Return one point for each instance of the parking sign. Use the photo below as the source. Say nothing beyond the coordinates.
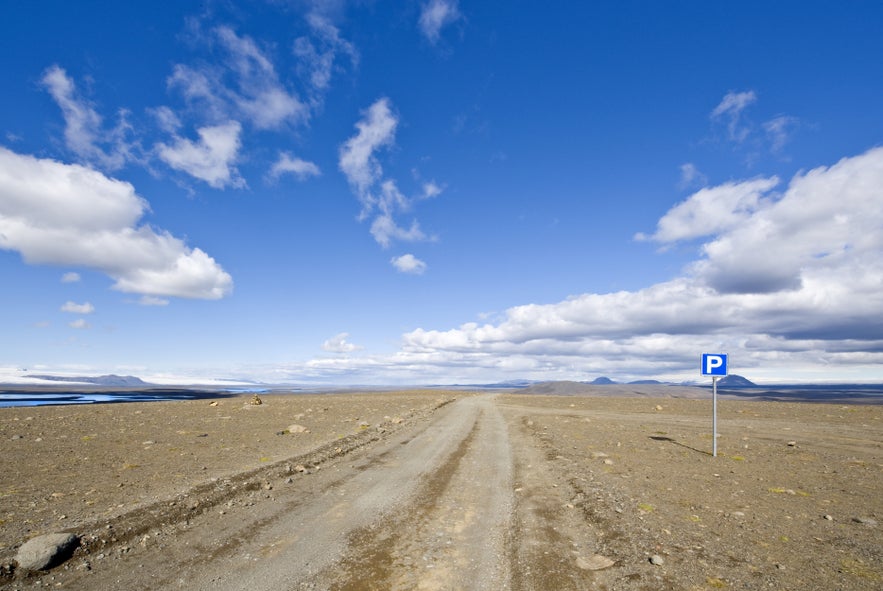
(713, 364)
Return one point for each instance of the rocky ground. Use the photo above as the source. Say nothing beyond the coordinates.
(442, 490)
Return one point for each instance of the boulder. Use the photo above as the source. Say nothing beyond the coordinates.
(46, 551)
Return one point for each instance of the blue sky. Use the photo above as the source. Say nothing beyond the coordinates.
(436, 191)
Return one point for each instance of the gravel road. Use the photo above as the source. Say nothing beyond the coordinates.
(430, 508)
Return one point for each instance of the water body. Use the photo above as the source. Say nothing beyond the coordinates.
(24, 397)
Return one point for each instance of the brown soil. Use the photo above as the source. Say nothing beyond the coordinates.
(793, 500)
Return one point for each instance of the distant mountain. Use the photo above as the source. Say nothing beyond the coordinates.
(736, 381)
(108, 380)
(602, 381)
(645, 382)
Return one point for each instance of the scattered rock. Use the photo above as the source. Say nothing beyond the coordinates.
(598, 454)
(792, 444)
(46, 551)
(658, 407)
(297, 429)
(17, 437)
(594, 562)
(828, 517)
(657, 560)
(865, 521)
(255, 400)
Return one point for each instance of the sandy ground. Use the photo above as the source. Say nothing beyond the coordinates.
(470, 492)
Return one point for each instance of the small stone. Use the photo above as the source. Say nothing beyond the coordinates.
(594, 562)
(828, 518)
(657, 560)
(17, 437)
(608, 461)
(865, 521)
(658, 407)
(297, 429)
(792, 444)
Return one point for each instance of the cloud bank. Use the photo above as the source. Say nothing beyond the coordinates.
(788, 282)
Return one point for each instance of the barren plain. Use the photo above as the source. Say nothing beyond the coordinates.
(447, 490)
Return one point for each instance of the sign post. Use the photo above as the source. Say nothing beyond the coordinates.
(714, 365)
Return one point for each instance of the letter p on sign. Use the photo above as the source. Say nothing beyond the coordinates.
(714, 364)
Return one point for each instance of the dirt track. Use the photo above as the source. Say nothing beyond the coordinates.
(508, 492)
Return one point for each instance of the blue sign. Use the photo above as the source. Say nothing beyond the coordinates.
(713, 364)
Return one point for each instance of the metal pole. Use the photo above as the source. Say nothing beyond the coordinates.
(714, 417)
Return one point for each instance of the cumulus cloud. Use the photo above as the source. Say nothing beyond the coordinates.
(296, 166)
(339, 344)
(408, 263)
(211, 159)
(435, 15)
(712, 210)
(70, 277)
(791, 281)
(84, 132)
(74, 308)
(67, 214)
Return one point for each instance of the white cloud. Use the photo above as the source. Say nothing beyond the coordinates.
(79, 324)
(785, 285)
(318, 56)
(357, 161)
(778, 131)
(431, 190)
(339, 344)
(712, 210)
(153, 301)
(730, 109)
(70, 277)
(67, 214)
(289, 164)
(84, 134)
(385, 230)
(379, 197)
(435, 15)
(245, 85)
(408, 263)
(74, 308)
(691, 177)
(211, 159)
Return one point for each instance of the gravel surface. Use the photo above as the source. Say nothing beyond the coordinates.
(442, 490)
